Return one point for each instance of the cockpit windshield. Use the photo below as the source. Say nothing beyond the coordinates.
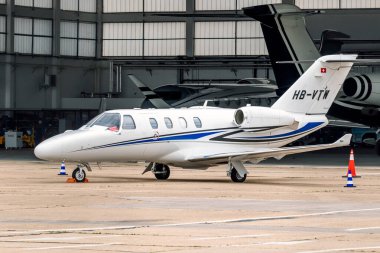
(109, 120)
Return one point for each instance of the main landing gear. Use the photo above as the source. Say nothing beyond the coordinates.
(237, 171)
(160, 171)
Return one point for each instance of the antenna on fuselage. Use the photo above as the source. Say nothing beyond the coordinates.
(205, 103)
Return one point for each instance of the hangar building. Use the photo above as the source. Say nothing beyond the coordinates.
(61, 59)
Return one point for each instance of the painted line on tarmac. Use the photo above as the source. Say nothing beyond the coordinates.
(341, 249)
(269, 217)
(359, 229)
(232, 237)
(64, 230)
(265, 218)
(60, 238)
(370, 173)
(76, 246)
(271, 243)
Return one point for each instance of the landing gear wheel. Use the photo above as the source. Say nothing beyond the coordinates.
(79, 175)
(162, 172)
(236, 177)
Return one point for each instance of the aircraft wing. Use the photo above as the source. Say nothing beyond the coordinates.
(345, 123)
(255, 87)
(278, 153)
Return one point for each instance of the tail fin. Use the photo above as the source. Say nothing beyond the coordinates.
(150, 95)
(316, 89)
(287, 39)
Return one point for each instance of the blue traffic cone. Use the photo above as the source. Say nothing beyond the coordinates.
(350, 183)
(62, 172)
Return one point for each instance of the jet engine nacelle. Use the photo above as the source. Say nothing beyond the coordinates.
(249, 118)
(365, 88)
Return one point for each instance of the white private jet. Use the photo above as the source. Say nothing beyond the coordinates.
(200, 137)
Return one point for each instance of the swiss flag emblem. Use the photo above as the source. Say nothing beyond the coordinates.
(323, 70)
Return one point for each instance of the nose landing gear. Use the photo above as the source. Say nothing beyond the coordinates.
(79, 174)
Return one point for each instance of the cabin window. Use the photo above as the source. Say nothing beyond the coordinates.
(182, 122)
(128, 122)
(153, 123)
(110, 120)
(168, 122)
(197, 122)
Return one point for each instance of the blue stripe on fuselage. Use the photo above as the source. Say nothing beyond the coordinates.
(198, 135)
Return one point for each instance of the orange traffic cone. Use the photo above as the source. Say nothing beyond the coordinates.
(351, 165)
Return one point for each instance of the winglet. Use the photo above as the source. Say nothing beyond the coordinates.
(343, 141)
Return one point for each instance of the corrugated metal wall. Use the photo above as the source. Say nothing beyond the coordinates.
(246, 3)
(79, 5)
(37, 3)
(215, 38)
(335, 4)
(33, 36)
(360, 3)
(112, 6)
(122, 39)
(250, 39)
(164, 5)
(69, 37)
(87, 5)
(202, 5)
(316, 4)
(159, 39)
(78, 44)
(22, 43)
(42, 36)
(87, 39)
(3, 30)
(24, 2)
(229, 38)
(164, 39)
(69, 5)
(215, 5)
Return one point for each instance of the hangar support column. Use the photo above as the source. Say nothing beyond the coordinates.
(190, 8)
(55, 88)
(98, 53)
(9, 78)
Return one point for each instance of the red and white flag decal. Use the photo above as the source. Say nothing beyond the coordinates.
(323, 70)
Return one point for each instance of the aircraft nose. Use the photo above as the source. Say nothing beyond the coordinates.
(48, 150)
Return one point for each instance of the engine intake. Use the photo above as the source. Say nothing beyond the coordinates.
(365, 88)
(260, 117)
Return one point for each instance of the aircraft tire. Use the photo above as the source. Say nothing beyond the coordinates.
(162, 172)
(235, 177)
(78, 176)
(377, 147)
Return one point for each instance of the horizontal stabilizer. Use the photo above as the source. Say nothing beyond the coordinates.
(150, 95)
